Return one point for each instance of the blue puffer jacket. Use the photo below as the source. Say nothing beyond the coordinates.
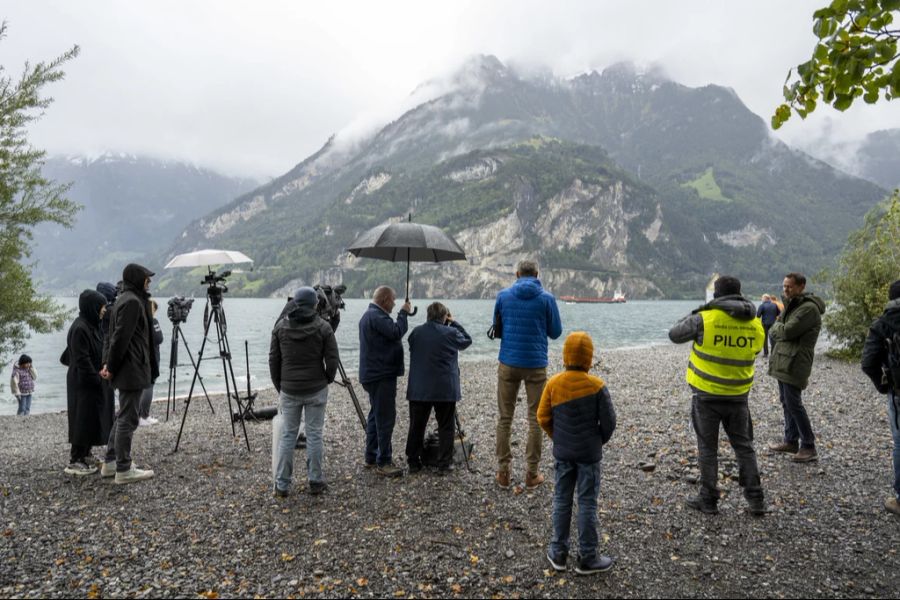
(529, 316)
(380, 346)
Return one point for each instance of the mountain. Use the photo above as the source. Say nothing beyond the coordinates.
(619, 179)
(878, 158)
(133, 206)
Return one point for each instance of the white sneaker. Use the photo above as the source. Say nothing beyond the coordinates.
(133, 474)
(142, 422)
(152, 420)
(108, 469)
(80, 469)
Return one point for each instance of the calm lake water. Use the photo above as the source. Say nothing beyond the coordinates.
(634, 324)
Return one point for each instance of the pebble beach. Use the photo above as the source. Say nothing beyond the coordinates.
(208, 525)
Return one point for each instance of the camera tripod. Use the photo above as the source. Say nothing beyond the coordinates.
(214, 313)
(345, 383)
(173, 368)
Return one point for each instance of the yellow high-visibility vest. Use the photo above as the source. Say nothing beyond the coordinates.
(724, 363)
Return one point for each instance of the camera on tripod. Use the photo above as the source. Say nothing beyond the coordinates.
(330, 303)
(178, 310)
(217, 287)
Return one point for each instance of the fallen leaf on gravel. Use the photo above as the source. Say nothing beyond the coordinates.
(287, 557)
(509, 579)
(562, 582)
(399, 593)
(362, 582)
(94, 591)
(605, 538)
(211, 594)
(456, 588)
(473, 559)
(319, 542)
(674, 557)
(371, 527)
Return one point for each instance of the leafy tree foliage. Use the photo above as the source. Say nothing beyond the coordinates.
(869, 264)
(856, 55)
(26, 199)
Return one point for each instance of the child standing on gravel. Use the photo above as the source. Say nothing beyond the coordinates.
(22, 383)
(577, 413)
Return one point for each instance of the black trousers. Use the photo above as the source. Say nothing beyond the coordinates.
(419, 412)
(79, 453)
(734, 417)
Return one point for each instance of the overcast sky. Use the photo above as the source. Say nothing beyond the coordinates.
(252, 88)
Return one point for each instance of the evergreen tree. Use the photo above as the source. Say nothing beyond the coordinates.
(26, 199)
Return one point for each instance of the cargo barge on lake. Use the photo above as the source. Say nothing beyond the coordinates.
(619, 298)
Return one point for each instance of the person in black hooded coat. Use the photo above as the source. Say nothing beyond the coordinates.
(108, 410)
(84, 394)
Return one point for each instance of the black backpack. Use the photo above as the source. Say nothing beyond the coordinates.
(893, 359)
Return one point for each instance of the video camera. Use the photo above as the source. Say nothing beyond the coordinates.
(330, 303)
(178, 310)
(216, 285)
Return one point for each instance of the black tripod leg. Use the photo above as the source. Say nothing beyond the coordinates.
(202, 386)
(228, 368)
(173, 365)
(187, 403)
(345, 382)
(462, 439)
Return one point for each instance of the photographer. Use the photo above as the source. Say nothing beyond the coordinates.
(434, 383)
(303, 360)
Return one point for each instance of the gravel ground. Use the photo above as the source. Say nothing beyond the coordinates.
(208, 524)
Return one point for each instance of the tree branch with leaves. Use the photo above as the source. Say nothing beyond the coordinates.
(855, 56)
(27, 199)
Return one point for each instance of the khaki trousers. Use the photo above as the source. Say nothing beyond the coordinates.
(508, 382)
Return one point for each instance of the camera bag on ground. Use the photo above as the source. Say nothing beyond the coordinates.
(432, 449)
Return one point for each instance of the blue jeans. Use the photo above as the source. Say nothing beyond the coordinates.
(380, 424)
(894, 419)
(585, 478)
(24, 404)
(292, 409)
(796, 421)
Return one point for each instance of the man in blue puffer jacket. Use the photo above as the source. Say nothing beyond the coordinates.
(525, 315)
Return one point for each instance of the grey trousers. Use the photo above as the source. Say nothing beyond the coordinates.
(146, 402)
(706, 416)
(119, 447)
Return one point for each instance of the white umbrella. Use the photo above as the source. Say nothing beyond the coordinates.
(204, 258)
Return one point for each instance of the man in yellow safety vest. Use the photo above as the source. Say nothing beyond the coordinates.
(727, 337)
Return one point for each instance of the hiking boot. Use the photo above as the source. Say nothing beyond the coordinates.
(80, 469)
(557, 561)
(805, 455)
(279, 493)
(892, 505)
(389, 470)
(108, 469)
(317, 488)
(502, 480)
(756, 507)
(415, 467)
(532, 481)
(368, 465)
(707, 507)
(132, 475)
(597, 564)
(785, 447)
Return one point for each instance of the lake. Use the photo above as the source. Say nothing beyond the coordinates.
(633, 324)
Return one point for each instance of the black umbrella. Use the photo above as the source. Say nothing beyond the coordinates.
(412, 242)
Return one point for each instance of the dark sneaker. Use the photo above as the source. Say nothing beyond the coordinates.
(756, 507)
(445, 470)
(707, 507)
(533, 481)
(502, 479)
(369, 465)
(892, 506)
(389, 470)
(785, 447)
(415, 467)
(279, 493)
(301, 442)
(557, 561)
(805, 455)
(317, 488)
(597, 564)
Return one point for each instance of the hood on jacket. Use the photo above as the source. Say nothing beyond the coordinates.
(305, 301)
(526, 288)
(892, 305)
(578, 351)
(108, 290)
(133, 276)
(737, 306)
(809, 297)
(89, 304)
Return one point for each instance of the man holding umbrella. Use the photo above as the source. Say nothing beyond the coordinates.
(380, 363)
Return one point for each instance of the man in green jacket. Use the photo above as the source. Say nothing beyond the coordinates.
(795, 334)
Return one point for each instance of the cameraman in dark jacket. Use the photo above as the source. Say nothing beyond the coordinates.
(434, 383)
(130, 364)
(303, 360)
(380, 363)
(874, 364)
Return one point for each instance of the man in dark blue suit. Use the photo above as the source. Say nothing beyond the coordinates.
(434, 384)
(380, 363)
